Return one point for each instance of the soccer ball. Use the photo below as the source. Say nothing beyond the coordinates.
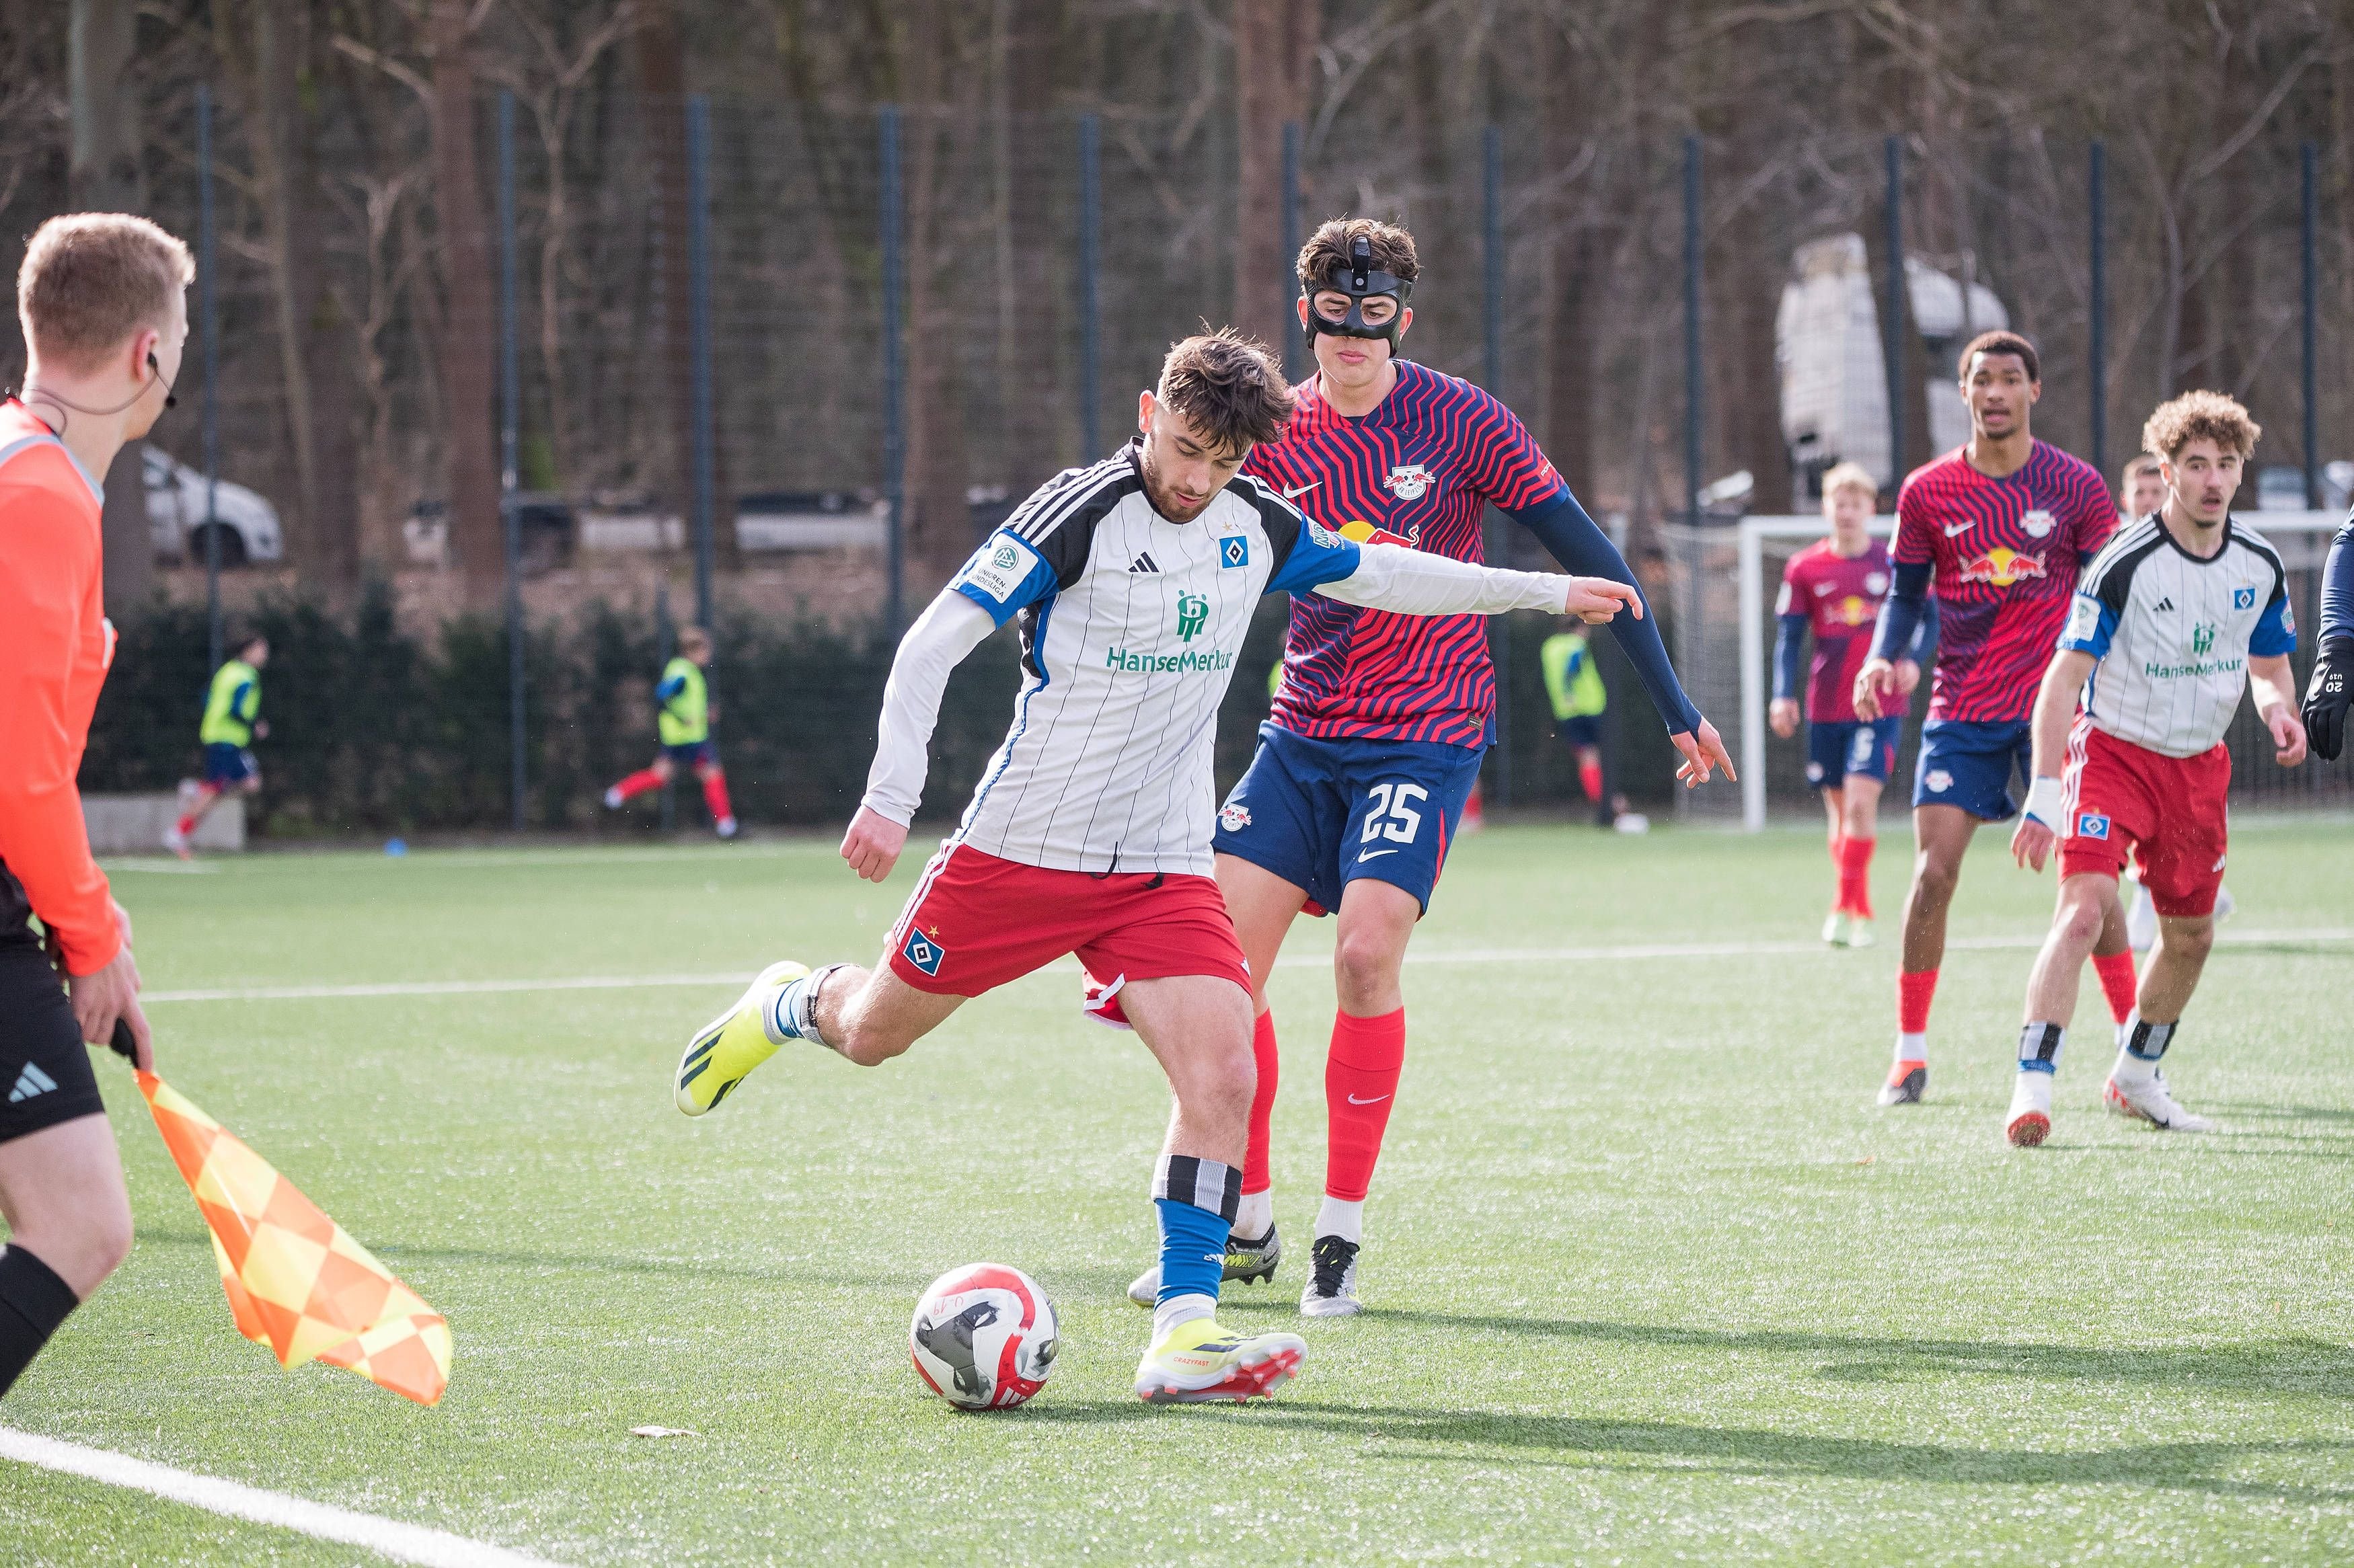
(983, 1336)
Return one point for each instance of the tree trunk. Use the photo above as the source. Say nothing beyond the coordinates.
(470, 323)
(662, 79)
(103, 176)
(939, 531)
(316, 346)
(1745, 269)
(1912, 355)
(1036, 153)
(1275, 43)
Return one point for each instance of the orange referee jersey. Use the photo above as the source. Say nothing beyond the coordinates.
(55, 647)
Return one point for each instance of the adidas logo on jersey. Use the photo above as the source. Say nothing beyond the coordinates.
(2165, 604)
(32, 1081)
(1143, 563)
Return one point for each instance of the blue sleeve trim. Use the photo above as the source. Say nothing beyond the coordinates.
(1318, 556)
(672, 686)
(1564, 528)
(2272, 638)
(2078, 637)
(1006, 574)
(1788, 630)
(1900, 616)
(246, 703)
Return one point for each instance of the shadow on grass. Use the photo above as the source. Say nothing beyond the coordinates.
(2296, 1364)
(1473, 1436)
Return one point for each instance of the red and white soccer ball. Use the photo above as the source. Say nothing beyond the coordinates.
(983, 1336)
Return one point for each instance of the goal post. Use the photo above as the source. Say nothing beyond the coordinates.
(1762, 545)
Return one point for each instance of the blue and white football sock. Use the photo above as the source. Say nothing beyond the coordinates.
(1196, 1200)
(791, 1012)
(2145, 1044)
(2038, 1047)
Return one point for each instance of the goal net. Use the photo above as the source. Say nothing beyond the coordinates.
(1725, 581)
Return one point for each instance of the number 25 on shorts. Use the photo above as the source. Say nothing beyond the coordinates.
(1393, 815)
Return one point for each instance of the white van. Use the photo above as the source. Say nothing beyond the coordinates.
(1834, 371)
(176, 516)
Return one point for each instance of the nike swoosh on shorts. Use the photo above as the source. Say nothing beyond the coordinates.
(1373, 854)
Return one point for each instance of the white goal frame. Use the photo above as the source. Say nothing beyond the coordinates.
(2315, 527)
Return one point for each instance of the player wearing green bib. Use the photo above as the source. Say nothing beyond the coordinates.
(1574, 684)
(232, 723)
(682, 723)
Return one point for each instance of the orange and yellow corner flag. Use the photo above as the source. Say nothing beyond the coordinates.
(296, 1281)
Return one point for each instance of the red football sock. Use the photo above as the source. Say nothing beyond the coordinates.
(1589, 778)
(2117, 982)
(1855, 874)
(1913, 990)
(638, 783)
(203, 797)
(1360, 1080)
(715, 795)
(1254, 1176)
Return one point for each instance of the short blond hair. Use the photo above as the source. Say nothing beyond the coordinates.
(1849, 476)
(693, 638)
(2201, 416)
(90, 280)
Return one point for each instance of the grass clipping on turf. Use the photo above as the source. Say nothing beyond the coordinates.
(296, 1280)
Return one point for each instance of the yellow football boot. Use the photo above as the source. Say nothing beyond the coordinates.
(727, 1049)
(1200, 1362)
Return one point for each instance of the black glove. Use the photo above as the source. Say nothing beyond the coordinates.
(2327, 695)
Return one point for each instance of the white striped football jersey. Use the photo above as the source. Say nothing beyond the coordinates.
(2174, 632)
(1131, 626)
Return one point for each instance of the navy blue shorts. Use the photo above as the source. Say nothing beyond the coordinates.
(227, 764)
(1322, 813)
(693, 755)
(1851, 746)
(1968, 765)
(1581, 730)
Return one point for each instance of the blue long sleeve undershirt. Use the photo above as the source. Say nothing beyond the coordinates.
(2338, 586)
(1563, 527)
(1789, 633)
(1908, 618)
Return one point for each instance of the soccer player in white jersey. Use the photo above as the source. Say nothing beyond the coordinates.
(1133, 582)
(2179, 614)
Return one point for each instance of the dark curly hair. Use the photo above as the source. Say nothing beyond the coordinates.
(1227, 387)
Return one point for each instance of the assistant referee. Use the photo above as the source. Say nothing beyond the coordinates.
(101, 297)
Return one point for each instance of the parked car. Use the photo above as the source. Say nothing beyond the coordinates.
(550, 533)
(178, 519)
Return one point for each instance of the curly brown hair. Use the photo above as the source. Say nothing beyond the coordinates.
(1327, 250)
(1228, 386)
(2000, 341)
(2201, 416)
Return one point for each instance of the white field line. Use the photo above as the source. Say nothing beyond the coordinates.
(321, 1521)
(1631, 952)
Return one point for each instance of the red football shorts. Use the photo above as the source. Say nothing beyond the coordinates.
(975, 922)
(2168, 812)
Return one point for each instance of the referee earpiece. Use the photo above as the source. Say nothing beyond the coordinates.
(170, 399)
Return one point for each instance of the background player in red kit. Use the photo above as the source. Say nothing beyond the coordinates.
(1379, 723)
(1835, 588)
(2003, 525)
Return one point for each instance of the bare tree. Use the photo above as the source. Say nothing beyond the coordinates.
(1274, 46)
(104, 175)
(469, 326)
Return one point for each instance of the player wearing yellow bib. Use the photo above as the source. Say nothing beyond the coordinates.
(682, 723)
(1574, 685)
(232, 723)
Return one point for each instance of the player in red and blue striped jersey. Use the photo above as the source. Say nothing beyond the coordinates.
(2003, 525)
(1379, 723)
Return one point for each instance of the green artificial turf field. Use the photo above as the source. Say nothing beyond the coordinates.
(1650, 1278)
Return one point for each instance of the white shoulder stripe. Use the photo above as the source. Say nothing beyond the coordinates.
(1060, 503)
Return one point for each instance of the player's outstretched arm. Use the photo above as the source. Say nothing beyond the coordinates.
(1416, 582)
(950, 626)
(1576, 541)
(2329, 695)
(2055, 710)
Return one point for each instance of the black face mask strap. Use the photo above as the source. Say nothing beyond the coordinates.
(1360, 279)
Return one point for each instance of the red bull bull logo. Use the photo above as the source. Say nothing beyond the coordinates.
(2002, 566)
(1357, 531)
(1853, 611)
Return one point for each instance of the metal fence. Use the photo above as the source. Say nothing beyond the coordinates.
(713, 301)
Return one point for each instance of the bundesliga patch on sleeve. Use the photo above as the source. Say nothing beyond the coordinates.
(2083, 620)
(999, 566)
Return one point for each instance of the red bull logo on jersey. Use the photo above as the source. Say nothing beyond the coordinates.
(1409, 482)
(1357, 531)
(1852, 610)
(2002, 566)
